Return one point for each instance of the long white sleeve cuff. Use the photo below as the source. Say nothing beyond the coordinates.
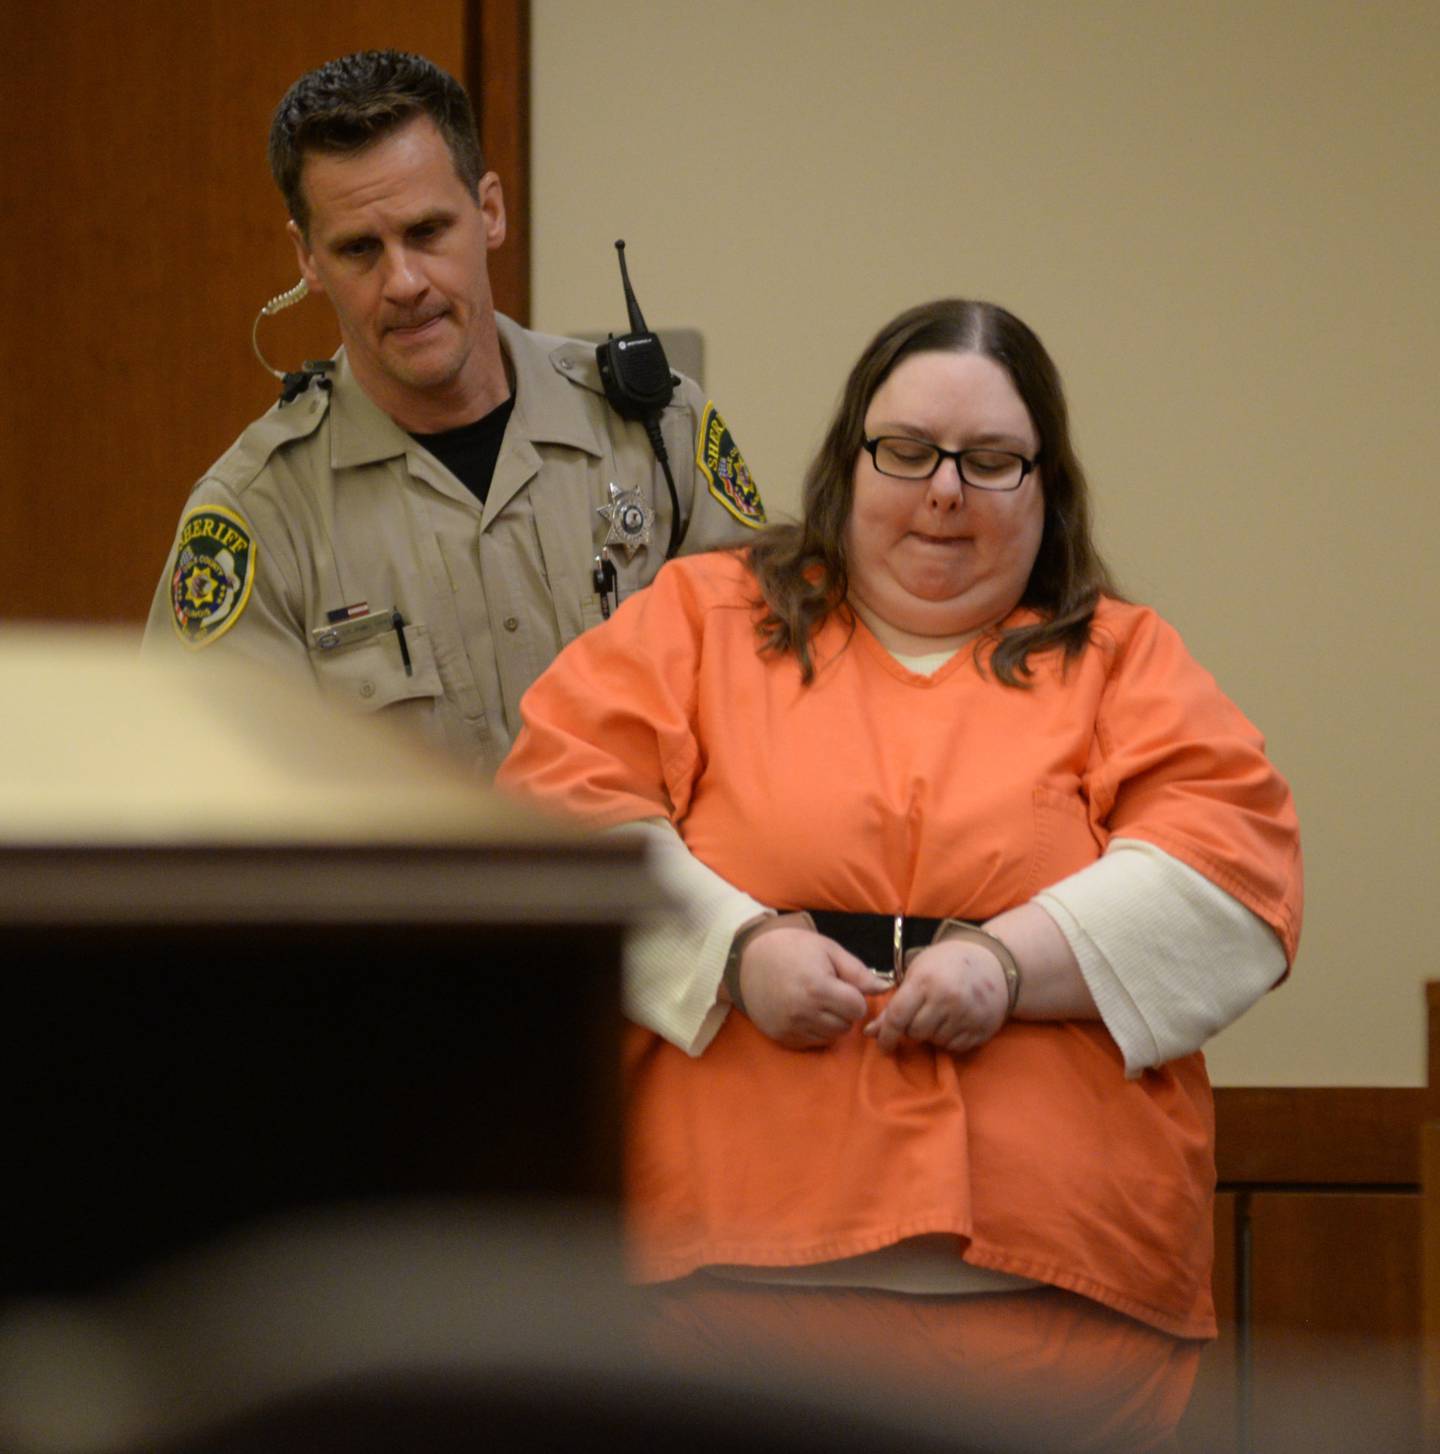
(673, 964)
(1169, 958)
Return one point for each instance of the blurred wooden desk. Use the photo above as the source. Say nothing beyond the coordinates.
(195, 1037)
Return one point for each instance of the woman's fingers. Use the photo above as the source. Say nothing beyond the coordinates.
(803, 989)
(948, 999)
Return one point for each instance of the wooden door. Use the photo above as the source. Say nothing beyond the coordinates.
(142, 234)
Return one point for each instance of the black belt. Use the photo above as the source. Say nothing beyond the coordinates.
(880, 940)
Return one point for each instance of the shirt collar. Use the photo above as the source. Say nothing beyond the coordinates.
(549, 407)
(547, 370)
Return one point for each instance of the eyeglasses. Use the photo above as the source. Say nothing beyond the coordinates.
(982, 469)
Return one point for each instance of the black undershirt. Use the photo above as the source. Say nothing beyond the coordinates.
(470, 451)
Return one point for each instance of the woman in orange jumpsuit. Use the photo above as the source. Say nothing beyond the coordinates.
(919, 733)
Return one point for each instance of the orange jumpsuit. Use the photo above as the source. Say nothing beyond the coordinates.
(877, 789)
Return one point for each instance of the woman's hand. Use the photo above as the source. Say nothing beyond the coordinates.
(953, 996)
(802, 989)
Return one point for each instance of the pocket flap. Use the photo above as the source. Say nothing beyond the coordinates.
(371, 674)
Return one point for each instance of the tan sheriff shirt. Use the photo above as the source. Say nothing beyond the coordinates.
(325, 519)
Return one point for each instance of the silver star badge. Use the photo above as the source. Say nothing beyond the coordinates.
(630, 519)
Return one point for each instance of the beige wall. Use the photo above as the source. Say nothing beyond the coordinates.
(1222, 218)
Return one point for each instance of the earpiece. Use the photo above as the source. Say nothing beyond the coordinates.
(277, 304)
(292, 384)
(283, 300)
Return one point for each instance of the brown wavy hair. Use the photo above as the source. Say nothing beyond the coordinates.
(802, 569)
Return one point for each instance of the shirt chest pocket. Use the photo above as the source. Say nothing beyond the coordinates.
(1064, 841)
(570, 541)
(366, 676)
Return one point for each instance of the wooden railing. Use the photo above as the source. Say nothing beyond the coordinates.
(1327, 1270)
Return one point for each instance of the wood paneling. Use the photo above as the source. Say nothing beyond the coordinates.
(1430, 1279)
(1319, 1299)
(1212, 1422)
(1335, 1321)
(1327, 1135)
(1327, 1271)
(498, 76)
(1338, 1264)
(144, 232)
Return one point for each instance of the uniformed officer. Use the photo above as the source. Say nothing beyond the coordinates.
(418, 530)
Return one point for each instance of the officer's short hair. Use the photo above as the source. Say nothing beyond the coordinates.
(349, 104)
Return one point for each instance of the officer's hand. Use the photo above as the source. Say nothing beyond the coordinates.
(953, 996)
(802, 989)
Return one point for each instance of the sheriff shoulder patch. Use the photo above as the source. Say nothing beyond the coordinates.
(213, 572)
(721, 462)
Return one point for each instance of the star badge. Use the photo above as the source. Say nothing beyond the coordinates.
(202, 586)
(630, 519)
